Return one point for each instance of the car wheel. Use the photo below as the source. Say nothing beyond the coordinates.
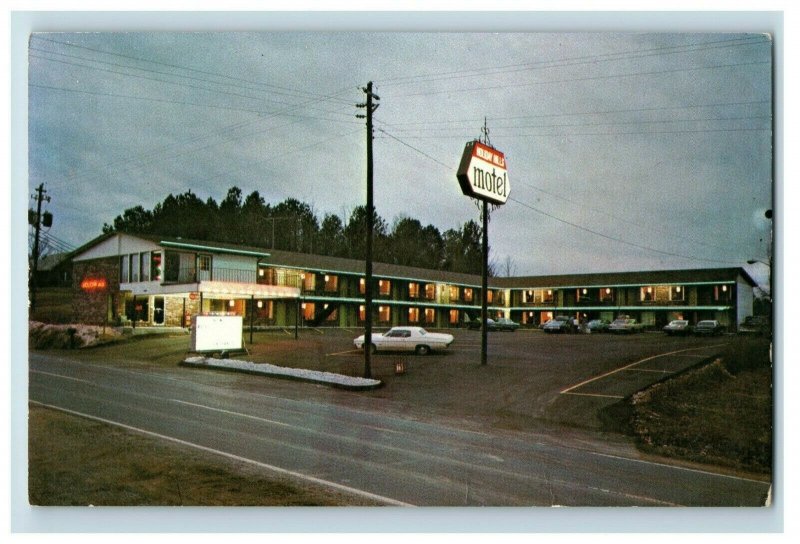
(423, 350)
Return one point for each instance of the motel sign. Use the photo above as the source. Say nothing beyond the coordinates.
(482, 173)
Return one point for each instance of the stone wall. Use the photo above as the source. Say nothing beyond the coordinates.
(173, 311)
(93, 304)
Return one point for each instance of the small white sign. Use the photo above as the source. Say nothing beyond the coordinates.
(216, 333)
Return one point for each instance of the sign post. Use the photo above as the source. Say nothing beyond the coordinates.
(482, 175)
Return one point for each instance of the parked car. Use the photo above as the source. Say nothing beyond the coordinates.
(504, 324)
(598, 325)
(709, 327)
(625, 324)
(559, 323)
(414, 339)
(677, 327)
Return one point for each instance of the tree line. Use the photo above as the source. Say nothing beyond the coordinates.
(293, 225)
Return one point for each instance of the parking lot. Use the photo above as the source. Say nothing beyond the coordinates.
(531, 379)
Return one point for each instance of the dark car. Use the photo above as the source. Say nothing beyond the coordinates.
(598, 325)
(561, 323)
(709, 327)
(755, 324)
(503, 324)
(677, 327)
(475, 324)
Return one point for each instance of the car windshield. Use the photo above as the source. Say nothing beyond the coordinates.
(423, 332)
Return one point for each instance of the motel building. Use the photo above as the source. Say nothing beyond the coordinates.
(156, 281)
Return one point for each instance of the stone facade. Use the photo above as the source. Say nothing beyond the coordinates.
(95, 284)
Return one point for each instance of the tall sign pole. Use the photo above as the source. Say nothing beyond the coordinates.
(482, 174)
(370, 106)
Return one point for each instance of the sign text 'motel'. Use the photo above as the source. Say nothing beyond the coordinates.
(482, 173)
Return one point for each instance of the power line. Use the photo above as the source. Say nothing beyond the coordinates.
(580, 227)
(176, 83)
(584, 113)
(185, 103)
(571, 61)
(588, 78)
(294, 92)
(620, 240)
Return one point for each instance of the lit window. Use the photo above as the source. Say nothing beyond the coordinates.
(430, 291)
(606, 295)
(385, 287)
(467, 294)
(430, 316)
(454, 317)
(384, 314)
(308, 310)
(413, 290)
(413, 315)
(453, 292)
(362, 286)
(331, 283)
(362, 313)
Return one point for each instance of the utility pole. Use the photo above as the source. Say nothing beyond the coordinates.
(37, 221)
(485, 266)
(370, 109)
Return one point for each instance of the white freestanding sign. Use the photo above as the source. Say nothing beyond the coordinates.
(216, 333)
(482, 173)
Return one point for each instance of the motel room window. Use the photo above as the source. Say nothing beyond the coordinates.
(722, 293)
(468, 294)
(334, 315)
(647, 294)
(430, 291)
(265, 309)
(204, 263)
(430, 316)
(413, 291)
(134, 267)
(155, 266)
(331, 283)
(362, 286)
(454, 314)
(309, 281)
(489, 296)
(606, 294)
(144, 264)
(308, 309)
(384, 314)
(362, 313)
(384, 287)
(454, 292)
(582, 295)
(123, 273)
(677, 293)
(413, 315)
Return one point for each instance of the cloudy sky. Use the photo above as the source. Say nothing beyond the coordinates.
(626, 151)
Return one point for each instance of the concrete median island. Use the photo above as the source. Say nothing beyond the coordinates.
(273, 371)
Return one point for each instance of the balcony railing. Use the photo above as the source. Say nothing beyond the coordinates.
(193, 275)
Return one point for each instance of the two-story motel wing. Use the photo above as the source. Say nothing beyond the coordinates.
(163, 281)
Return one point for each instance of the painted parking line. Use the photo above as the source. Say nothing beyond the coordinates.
(348, 352)
(631, 365)
(593, 395)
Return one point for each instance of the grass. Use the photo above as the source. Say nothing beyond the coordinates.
(719, 413)
(79, 462)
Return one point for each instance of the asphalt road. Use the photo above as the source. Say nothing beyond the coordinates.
(394, 459)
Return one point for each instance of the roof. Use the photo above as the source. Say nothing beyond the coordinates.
(325, 263)
(603, 279)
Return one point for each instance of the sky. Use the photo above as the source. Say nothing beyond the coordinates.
(625, 151)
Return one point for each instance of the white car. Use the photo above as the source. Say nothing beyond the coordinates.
(414, 339)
